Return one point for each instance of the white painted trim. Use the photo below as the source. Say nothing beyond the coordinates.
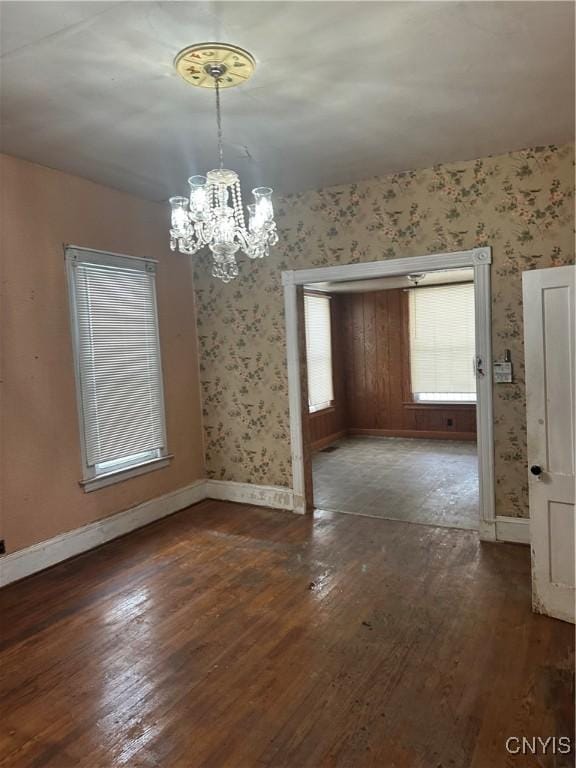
(515, 529)
(82, 250)
(388, 267)
(294, 397)
(478, 258)
(43, 555)
(247, 493)
(101, 481)
(484, 404)
(47, 553)
(74, 255)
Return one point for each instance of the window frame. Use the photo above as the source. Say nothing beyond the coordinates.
(439, 403)
(113, 471)
(329, 405)
(413, 401)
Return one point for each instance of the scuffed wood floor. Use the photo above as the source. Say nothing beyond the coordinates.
(234, 636)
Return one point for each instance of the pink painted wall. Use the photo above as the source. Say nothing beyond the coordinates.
(40, 464)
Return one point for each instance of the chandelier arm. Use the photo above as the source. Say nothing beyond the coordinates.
(219, 123)
(243, 238)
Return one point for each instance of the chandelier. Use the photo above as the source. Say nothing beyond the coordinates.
(213, 215)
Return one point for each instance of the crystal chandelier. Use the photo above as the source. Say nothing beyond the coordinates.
(213, 215)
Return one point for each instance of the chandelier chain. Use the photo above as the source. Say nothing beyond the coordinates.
(219, 124)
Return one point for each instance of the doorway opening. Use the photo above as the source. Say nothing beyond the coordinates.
(439, 433)
(392, 397)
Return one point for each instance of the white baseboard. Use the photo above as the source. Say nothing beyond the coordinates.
(487, 530)
(246, 493)
(514, 529)
(39, 556)
(47, 553)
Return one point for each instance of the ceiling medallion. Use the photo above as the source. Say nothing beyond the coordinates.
(213, 215)
(192, 64)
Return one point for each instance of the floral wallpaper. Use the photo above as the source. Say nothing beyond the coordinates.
(521, 204)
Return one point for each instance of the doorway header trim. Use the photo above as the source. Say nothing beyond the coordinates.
(389, 267)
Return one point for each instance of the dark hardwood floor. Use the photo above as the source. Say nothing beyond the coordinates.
(229, 635)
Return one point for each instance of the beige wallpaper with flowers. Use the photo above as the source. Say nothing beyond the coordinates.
(521, 204)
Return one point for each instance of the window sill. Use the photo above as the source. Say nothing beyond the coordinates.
(325, 409)
(412, 405)
(119, 475)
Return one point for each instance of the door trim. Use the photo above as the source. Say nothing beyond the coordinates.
(480, 260)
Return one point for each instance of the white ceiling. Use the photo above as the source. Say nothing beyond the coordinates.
(342, 91)
(440, 277)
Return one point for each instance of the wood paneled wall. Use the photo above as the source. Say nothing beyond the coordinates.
(374, 365)
(372, 393)
(377, 373)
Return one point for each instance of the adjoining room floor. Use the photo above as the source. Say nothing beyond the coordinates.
(419, 481)
(228, 635)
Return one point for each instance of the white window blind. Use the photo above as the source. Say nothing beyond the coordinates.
(117, 350)
(318, 351)
(442, 343)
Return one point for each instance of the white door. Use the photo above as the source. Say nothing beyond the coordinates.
(549, 345)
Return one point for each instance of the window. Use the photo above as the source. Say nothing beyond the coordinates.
(118, 366)
(442, 343)
(318, 351)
